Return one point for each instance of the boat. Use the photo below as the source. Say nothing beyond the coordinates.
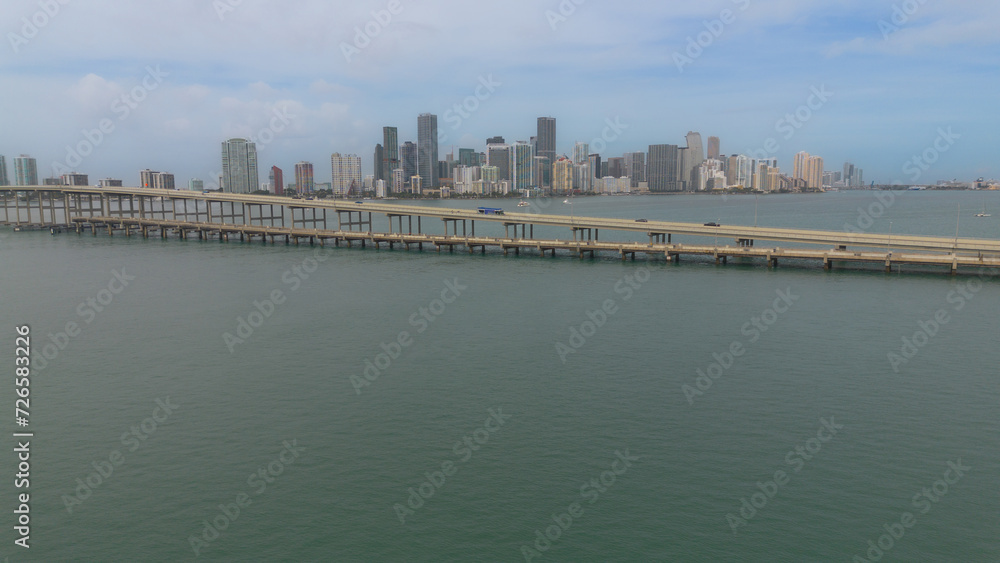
(523, 203)
(984, 213)
(565, 201)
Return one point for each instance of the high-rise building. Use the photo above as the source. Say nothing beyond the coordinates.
(163, 181)
(635, 167)
(25, 171)
(427, 150)
(580, 153)
(562, 175)
(814, 172)
(713, 148)
(146, 178)
(852, 177)
(74, 179)
(111, 183)
(194, 185)
(498, 140)
(546, 138)
(239, 166)
(305, 181)
(4, 178)
(524, 167)
(409, 161)
(398, 183)
(732, 170)
(693, 158)
(583, 178)
(501, 156)
(379, 162)
(799, 165)
(346, 173)
(663, 169)
(543, 172)
(390, 152)
(277, 179)
(594, 161)
(468, 157)
(616, 167)
(744, 171)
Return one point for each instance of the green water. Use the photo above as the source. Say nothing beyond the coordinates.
(359, 446)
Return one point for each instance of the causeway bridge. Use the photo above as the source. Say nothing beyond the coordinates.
(145, 212)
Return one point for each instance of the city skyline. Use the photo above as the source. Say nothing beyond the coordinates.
(848, 82)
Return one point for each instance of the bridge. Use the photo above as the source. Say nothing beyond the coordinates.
(184, 213)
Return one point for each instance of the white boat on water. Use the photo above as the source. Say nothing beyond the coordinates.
(523, 203)
(984, 213)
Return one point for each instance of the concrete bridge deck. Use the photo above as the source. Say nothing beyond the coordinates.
(225, 215)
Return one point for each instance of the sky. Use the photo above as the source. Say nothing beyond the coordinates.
(906, 90)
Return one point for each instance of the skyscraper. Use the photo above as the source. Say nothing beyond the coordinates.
(163, 181)
(409, 161)
(25, 171)
(147, 178)
(524, 165)
(380, 163)
(346, 173)
(635, 167)
(239, 167)
(390, 153)
(427, 150)
(799, 166)
(543, 172)
(277, 178)
(500, 155)
(304, 180)
(498, 140)
(4, 179)
(580, 153)
(468, 157)
(663, 170)
(546, 138)
(562, 175)
(713, 148)
(616, 167)
(814, 172)
(694, 156)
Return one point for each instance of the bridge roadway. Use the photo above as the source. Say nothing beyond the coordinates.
(205, 230)
(838, 239)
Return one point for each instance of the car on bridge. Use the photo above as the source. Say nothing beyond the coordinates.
(712, 224)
